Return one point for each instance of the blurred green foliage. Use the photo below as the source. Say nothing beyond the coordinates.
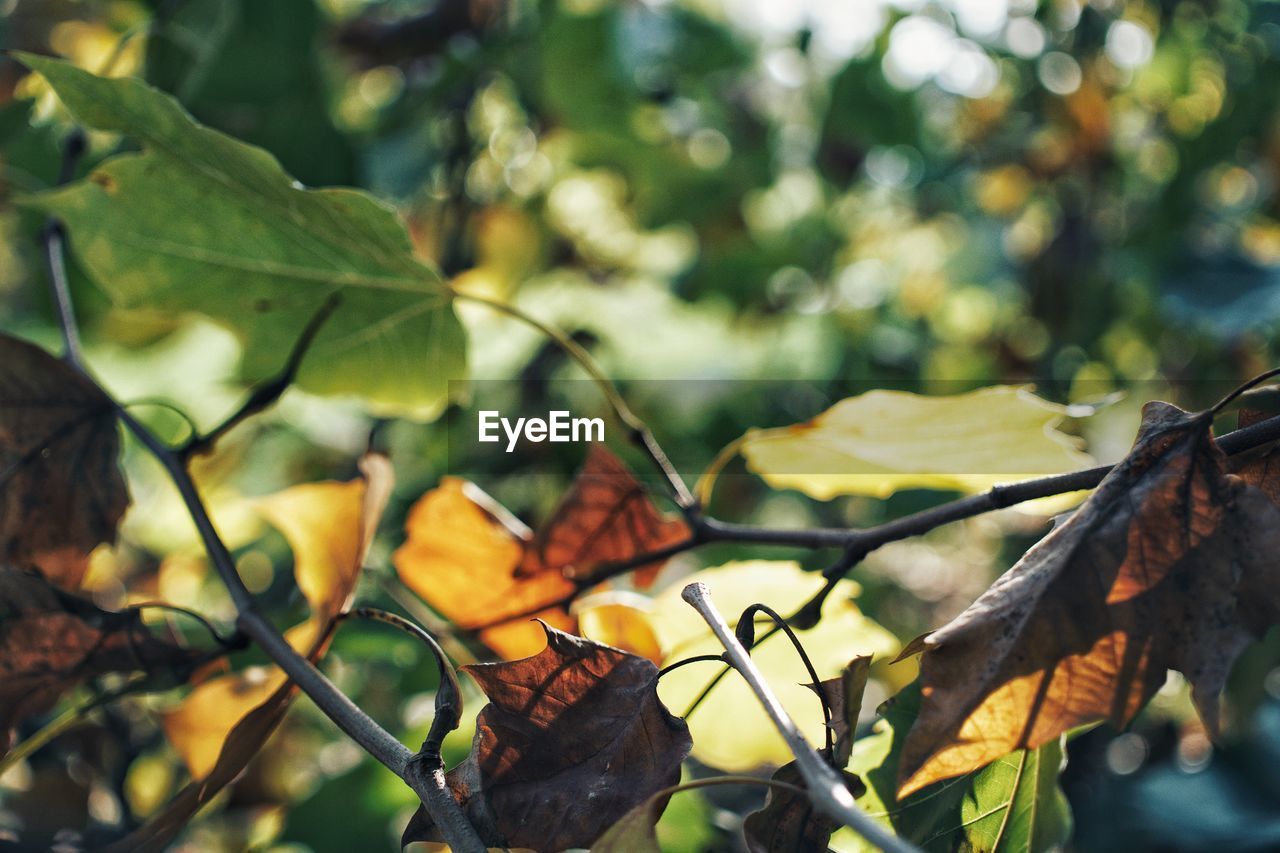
(821, 196)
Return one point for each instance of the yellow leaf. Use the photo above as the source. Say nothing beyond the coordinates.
(621, 625)
(882, 441)
(730, 730)
(329, 527)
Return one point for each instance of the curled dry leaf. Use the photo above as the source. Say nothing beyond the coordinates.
(788, 823)
(51, 641)
(606, 517)
(226, 720)
(61, 490)
(1170, 564)
(470, 559)
(572, 739)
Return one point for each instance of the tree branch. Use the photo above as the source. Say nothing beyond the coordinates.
(426, 781)
(826, 789)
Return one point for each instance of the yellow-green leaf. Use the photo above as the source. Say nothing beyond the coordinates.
(883, 441)
(729, 729)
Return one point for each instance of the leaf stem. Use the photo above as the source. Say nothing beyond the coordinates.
(448, 702)
(826, 790)
(268, 392)
(672, 667)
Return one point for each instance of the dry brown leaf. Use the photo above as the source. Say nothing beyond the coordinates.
(1170, 564)
(225, 721)
(51, 641)
(61, 490)
(1259, 467)
(606, 517)
(461, 559)
(571, 740)
(788, 823)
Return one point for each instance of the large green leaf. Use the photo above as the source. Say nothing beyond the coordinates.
(1013, 804)
(202, 222)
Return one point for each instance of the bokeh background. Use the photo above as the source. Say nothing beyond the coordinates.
(787, 202)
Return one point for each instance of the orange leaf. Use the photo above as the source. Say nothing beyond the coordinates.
(461, 559)
(1170, 564)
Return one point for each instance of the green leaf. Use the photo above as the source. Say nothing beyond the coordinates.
(1013, 804)
(204, 223)
(1016, 804)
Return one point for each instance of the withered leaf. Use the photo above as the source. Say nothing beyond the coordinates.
(1170, 564)
(61, 490)
(606, 517)
(52, 640)
(788, 823)
(572, 739)
(1260, 467)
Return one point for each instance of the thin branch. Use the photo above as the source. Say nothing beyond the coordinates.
(54, 241)
(427, 782)
(826, 790)
(268, 392)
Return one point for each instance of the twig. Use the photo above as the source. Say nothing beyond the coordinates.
(428, 785)
(268, 392)
(672, 667)
(826, 789)
(448, 704)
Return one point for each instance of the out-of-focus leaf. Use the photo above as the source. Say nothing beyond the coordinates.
(202, 207)
(226, 720)
(620, 625)
(61, 490)
(883, 441)
(1168, 565)
(462, 560)
(51, 641)
(575, 735)
(730, 730)
(1014, 804)
(788, 823)
(606, 517)
(250, 69)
